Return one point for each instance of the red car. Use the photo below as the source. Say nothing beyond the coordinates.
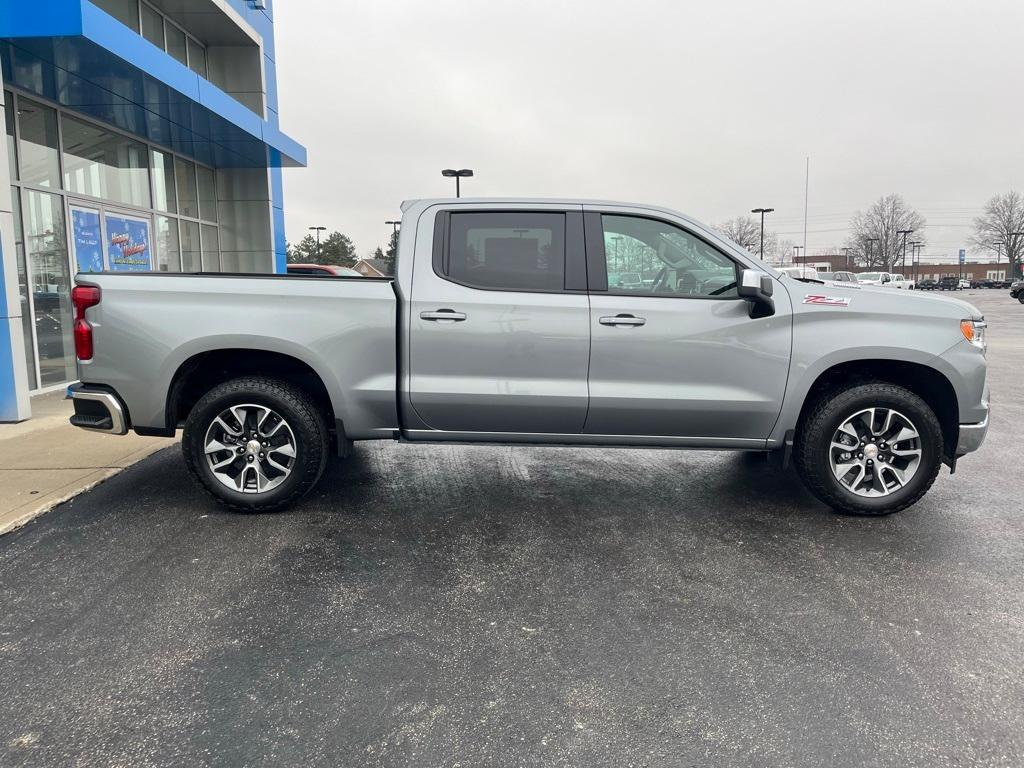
(322, 270)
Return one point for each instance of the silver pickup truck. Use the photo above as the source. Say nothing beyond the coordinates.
(554, 322)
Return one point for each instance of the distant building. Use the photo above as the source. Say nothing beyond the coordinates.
(372, 268)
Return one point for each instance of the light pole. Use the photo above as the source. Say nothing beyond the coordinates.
(762, 211)
(796, 252)
(904, 232)
(846, 253)
(915, 259)
(617, 239)
(451, 173)
(318, 230)
(394, 225)
(999, 250)
(870, 249)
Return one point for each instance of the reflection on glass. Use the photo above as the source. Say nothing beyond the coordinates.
(211, 249)
(46, 246)
(168, 251)
(188, 202)
(12, 151)
(26, 308)
(38, 147)
(176, 44)
(125, 11)
(163, 182)
(104, 164)
(191, 256)
(207, 193)
(152, 26)
(196, 57)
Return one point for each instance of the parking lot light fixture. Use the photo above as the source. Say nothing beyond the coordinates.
(318, 230)
(762, 211)
(904, 232)
(458, 175)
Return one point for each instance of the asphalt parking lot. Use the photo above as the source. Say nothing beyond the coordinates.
(527, 606)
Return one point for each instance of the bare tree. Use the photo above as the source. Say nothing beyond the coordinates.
(1002, 222)
(875, 239)
(744, 231)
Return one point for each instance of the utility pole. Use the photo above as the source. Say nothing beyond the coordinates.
(1011, 253)
(915, 259)
(807, 187)
(318, 230)
(762, 211)
(904, 232)
(870, 249)
(796, 252)
(846, 253)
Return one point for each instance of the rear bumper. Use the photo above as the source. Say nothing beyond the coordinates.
(98, 410)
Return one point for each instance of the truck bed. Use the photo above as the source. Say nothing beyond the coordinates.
(149, 325)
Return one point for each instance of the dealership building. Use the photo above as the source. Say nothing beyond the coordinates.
(141, 135)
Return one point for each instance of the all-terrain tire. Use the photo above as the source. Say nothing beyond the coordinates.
(811, 450)
(298, 410)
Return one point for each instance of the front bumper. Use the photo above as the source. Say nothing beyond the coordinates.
(973, 435)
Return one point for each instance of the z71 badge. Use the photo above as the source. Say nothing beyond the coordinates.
(828, 301)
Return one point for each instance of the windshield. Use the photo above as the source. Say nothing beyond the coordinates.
(870, 276)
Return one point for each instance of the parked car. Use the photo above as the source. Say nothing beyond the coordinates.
(899, 281)
(322, 270)
(874, 278)
(838, 277)
(949, 284)
(928, 284)
(1017, 290)
(1008, 283)
(801, 273)
(983, 283)
(963, 284)
(489, 336)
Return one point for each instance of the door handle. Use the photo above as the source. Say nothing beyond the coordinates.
(443, 315)
(622, 320)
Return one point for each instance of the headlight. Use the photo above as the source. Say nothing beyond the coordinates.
(974, 332)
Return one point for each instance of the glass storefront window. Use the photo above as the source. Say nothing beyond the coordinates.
(37, 150)
(196, 57)
(26, 307)
(211, 248)
(163, 182)
(152, 26)
(46, 247)
(168, 251)
(105, 165)
(12, 150)
(191, 256)
(176, 45)
(188, 200)
(207, 193)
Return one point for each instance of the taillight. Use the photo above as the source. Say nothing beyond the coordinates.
(83, 297)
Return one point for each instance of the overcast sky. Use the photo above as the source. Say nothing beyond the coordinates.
(706, 106)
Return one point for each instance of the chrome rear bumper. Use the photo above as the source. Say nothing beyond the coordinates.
(97, 410)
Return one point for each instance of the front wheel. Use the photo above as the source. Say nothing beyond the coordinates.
(1020, 297)
(872, 449)
(256, 444)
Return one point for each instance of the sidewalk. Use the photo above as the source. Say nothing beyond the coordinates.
(44, 461)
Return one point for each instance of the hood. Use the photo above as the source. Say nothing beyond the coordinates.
(881, 299)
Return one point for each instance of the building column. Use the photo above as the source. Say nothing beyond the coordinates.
(14, 400)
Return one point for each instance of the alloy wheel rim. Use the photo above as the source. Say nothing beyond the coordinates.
(875, 452)
(250, 448)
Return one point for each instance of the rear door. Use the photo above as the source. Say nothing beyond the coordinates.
(499, 336)
(678, 355)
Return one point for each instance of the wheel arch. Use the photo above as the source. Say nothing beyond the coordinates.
(204, 370)
(928, 383)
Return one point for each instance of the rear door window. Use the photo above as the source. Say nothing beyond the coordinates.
(507, 250)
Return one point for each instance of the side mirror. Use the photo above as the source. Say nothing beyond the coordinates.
(886, 279)
(756, 288)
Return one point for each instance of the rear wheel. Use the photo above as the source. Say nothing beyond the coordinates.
(871, 449)
(256, 444)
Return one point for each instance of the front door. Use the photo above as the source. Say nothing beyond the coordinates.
(674, 351)
(499, 325)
